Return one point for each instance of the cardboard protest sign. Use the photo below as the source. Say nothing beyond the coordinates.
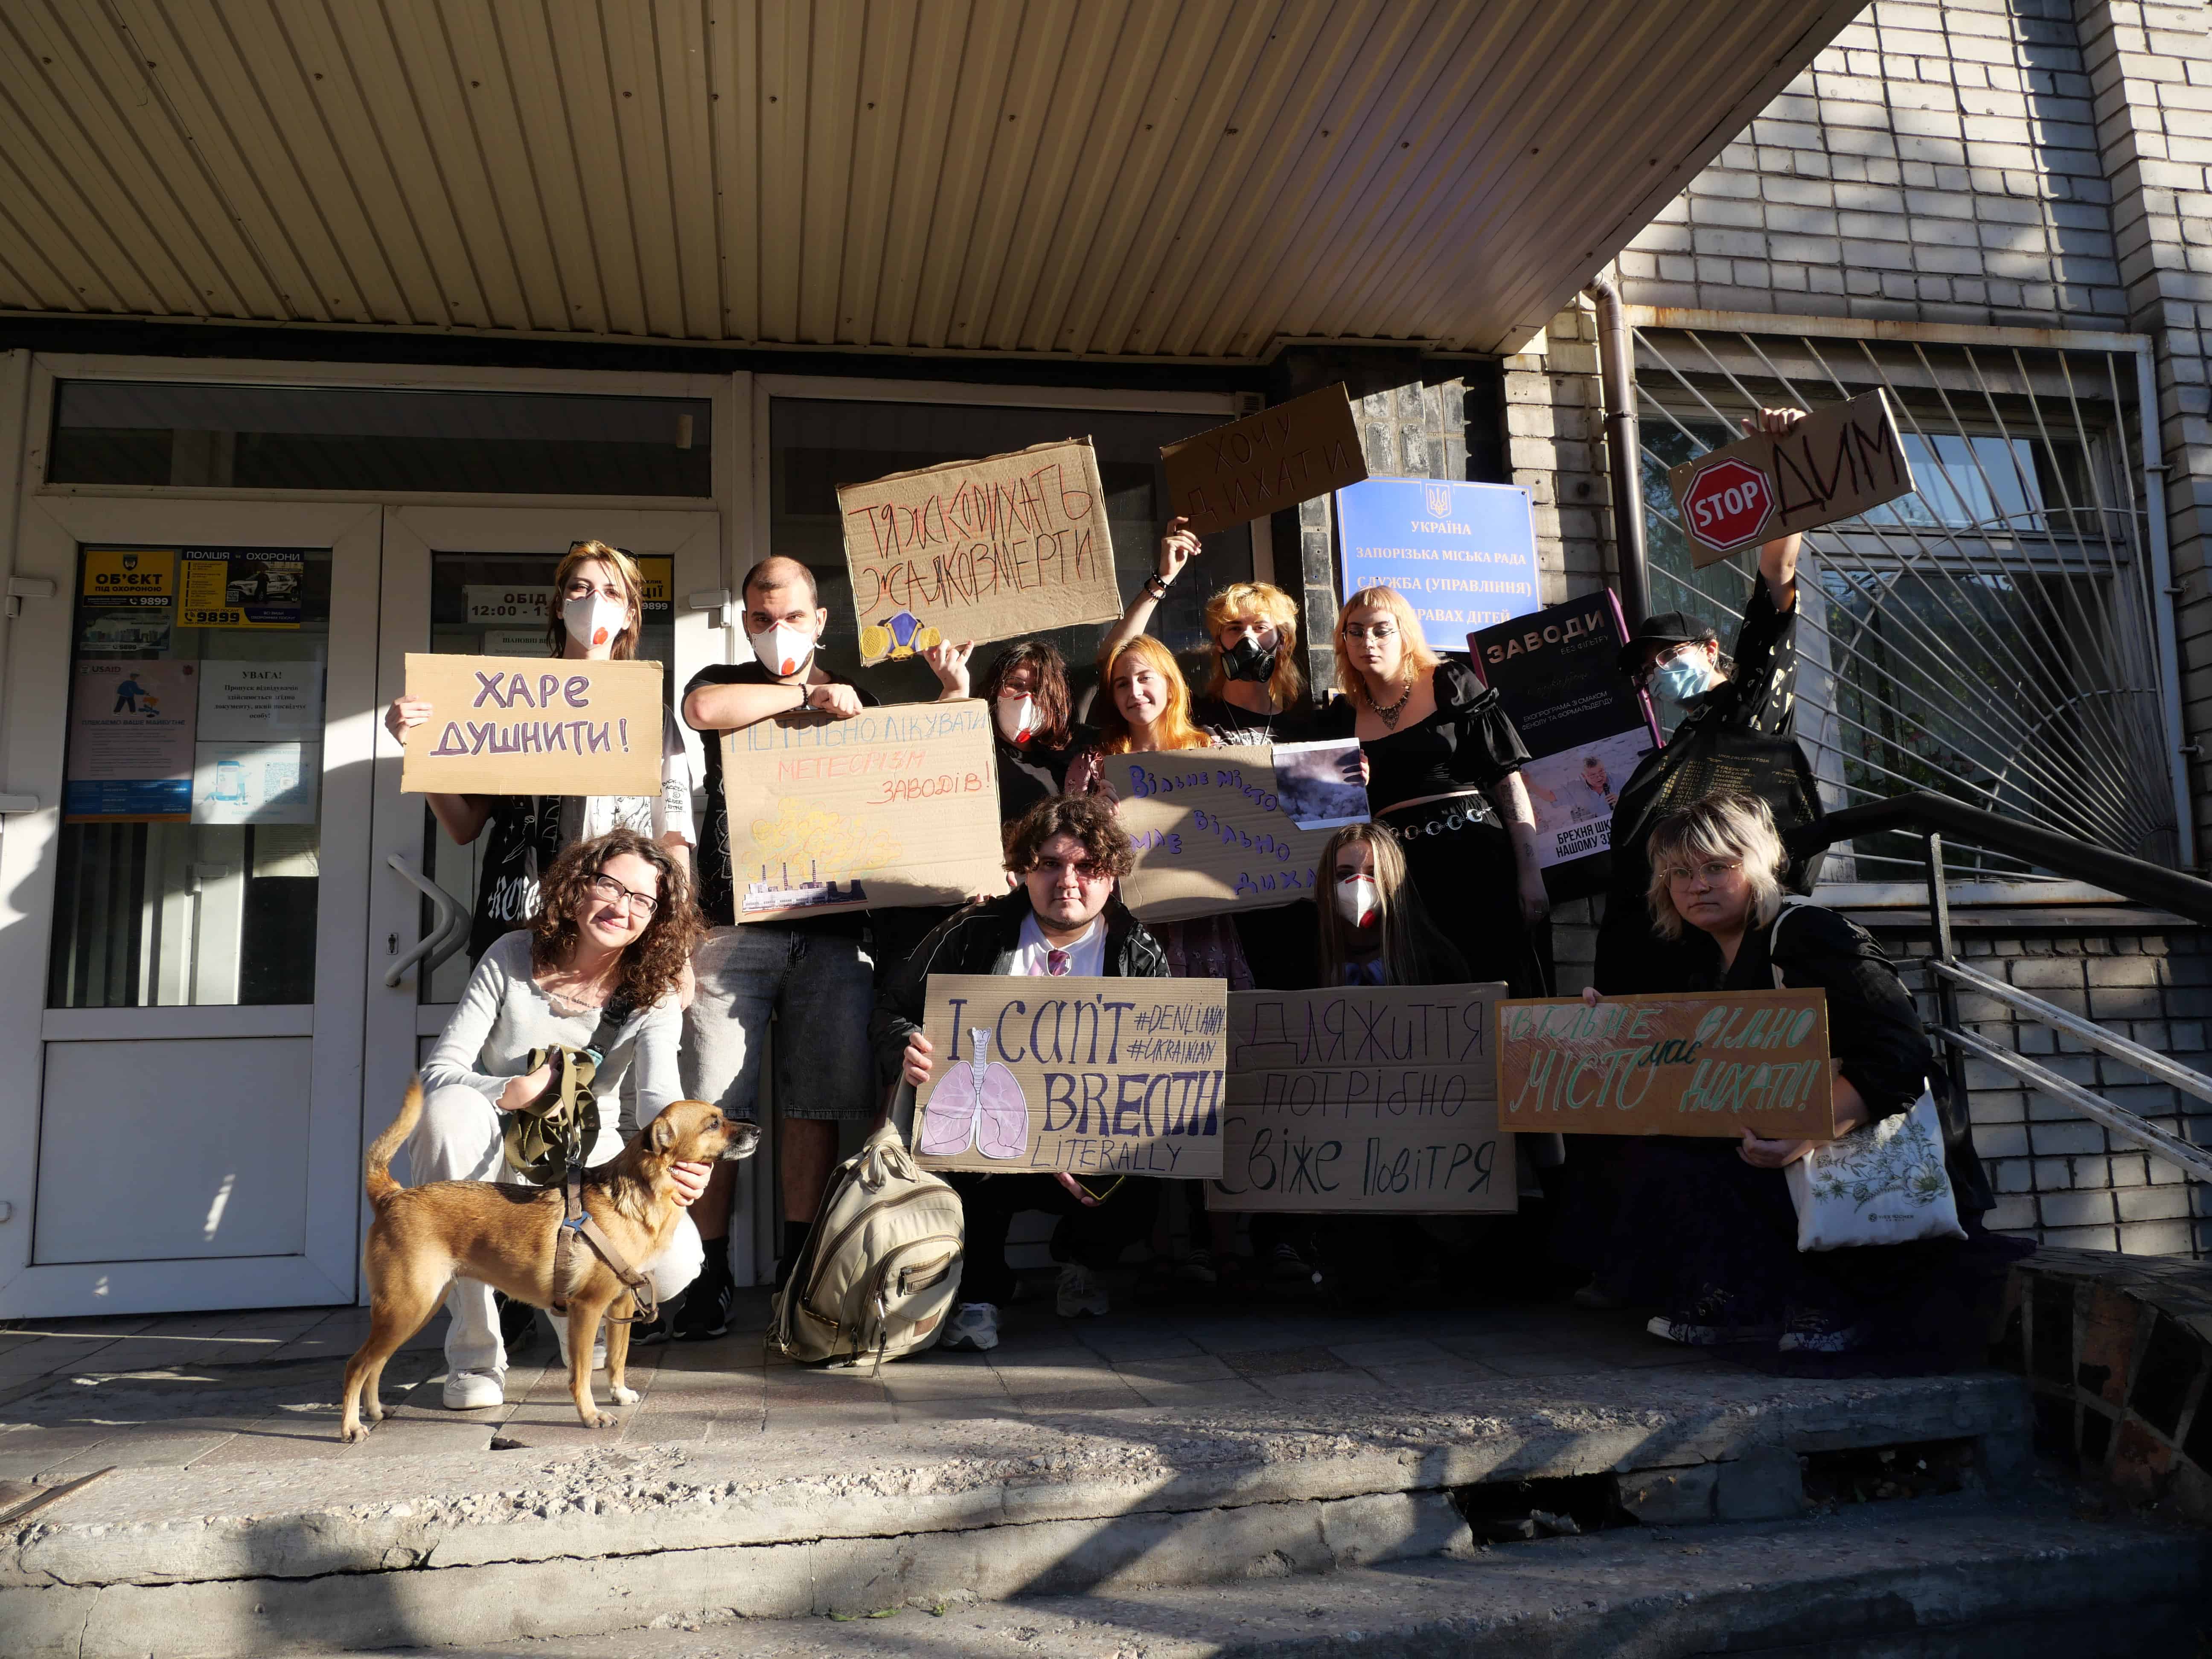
(1265, 462)
(498, 726)
(1213, 832)
(898, 805)
(1364, 1098)
(1095, 1076)
(1678, 1063)
(1585, 722)
(986, 550)
(1836, 464)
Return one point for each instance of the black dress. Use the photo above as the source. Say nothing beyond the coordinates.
(1711, 1240)
(1231, 727)
(1458, 854)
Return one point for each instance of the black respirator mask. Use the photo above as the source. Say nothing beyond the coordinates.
(1247, 660)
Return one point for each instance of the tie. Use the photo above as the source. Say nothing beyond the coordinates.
(1055, 962)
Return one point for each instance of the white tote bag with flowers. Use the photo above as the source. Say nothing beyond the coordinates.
(1883, 1183)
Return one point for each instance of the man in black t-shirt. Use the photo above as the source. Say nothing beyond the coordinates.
(814, 976)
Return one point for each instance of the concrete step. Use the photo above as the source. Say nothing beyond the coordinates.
(1932, 1578)
(481, 1547)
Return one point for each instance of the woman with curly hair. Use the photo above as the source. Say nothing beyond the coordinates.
(598, 968)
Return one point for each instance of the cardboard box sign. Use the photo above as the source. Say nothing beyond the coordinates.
(505, 726)
(1836, 464)
(1096, 1077)
(1365, 1099)
(1213, 832)
(898, 805)
(989, 550)
(1265, 462)
(1677, 1063)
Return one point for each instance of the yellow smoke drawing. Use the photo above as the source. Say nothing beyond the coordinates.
(835, 845)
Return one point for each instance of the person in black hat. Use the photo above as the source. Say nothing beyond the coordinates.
(1709, 700)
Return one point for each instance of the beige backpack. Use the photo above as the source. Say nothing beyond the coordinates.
(881, 1265)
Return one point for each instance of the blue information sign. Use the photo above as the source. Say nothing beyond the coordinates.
(1463, 554)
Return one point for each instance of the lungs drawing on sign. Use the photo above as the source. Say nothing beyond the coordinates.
(980, 1101)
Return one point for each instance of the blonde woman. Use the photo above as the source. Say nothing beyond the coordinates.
(593, 613)
(1444, 771)
(1707, 1228)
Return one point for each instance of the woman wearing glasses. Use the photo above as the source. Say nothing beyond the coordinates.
(598, 967)
(1444, 777)
(593, 613)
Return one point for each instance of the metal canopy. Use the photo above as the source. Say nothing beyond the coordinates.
(1129, 178)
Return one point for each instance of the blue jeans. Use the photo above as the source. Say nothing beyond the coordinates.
(819, 988)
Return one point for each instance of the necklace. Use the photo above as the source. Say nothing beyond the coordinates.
(1390, 716)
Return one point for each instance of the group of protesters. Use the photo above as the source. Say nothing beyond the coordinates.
(608, 923)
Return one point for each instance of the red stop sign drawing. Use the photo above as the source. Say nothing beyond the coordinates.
(1728, 504)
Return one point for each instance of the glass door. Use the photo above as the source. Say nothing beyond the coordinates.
(192, 711)
(473, 581)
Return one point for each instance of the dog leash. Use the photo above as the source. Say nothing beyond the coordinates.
(578, 1223)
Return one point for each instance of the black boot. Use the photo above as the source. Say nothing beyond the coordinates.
(705, 1314)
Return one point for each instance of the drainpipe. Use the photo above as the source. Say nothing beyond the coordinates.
(1616, 358)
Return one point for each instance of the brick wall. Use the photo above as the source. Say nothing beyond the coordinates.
(1939, 162)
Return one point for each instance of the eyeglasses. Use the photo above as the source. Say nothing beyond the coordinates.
(610, 891)
(1089, 869)
(1377, 631)
(1672, 653)
(1713, 870)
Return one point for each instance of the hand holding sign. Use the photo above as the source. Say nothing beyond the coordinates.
(494, 725)
(1795, 472)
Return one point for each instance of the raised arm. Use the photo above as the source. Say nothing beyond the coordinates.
(1178, 546)
(1777, 559)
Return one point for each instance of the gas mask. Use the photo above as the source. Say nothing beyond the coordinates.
(593, 619)
(1017, 718)
(1360, 900)
(1247, 660)
(783, 649)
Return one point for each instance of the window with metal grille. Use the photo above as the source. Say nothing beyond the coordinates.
(1993, 636)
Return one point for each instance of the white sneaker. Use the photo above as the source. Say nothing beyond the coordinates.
(472, 1391)
(599, 1345)
(975, 1327)
(1080, 1293)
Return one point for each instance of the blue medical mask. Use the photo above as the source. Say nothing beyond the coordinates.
(1683, 678)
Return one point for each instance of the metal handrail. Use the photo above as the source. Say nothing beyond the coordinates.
(2152, 1064)
(2194, 1161)
(1922, 812)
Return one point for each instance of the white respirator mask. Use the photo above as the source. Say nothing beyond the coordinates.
(1360, 900)
(1017, 718)
(593, 619)
(782, 650)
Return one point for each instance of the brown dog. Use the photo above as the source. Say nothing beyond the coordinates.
(424, 1237)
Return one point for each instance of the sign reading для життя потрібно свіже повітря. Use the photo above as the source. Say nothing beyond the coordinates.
(1213, 832)
(987, 549)
(1265, 462)
(1091, 1077)
(1677, 1063)
(499, 727)
(898, 805)
(1364, 1098)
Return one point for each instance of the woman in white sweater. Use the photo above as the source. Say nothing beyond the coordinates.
(615, 923)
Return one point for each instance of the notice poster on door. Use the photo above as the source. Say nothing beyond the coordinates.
(129, 578)
(242, 586)
(1365, 1099)
(260, 702)
(1463, 554)
(509, 604)
(130, 742)
(1091, 1077)
(990, 550)
(255, 782)
(1584, 721)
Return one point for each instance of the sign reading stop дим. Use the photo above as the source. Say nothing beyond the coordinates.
(1728, 503)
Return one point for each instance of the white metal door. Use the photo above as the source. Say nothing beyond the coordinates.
(180, 1137)
(409, 998)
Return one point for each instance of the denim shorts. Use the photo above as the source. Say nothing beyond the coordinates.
(819, 988)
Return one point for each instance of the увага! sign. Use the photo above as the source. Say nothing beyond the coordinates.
(1364, 1098)
(986, 550)
(1213, 833)
(1093, 1077)
(1678, 1063)
(553, 728)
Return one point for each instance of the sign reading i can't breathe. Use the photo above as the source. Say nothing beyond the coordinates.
(1364, 1098)
(1675, 1063)
(1094, 1077)
(557, 727)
